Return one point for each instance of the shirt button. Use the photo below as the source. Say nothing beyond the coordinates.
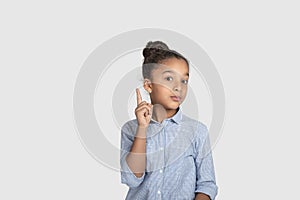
(161, 171)
(161, 148)
(158, 192)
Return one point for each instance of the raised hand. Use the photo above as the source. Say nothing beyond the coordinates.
(143, 111)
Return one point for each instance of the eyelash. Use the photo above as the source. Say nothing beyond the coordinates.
(183, 81)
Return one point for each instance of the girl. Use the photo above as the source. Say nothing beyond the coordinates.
(164, 153)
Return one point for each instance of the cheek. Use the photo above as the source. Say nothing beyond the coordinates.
(161, 89)
(184, 91)
(160, 93)
(163, 85)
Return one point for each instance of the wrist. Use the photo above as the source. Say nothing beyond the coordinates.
(143, 126)
(141, 132)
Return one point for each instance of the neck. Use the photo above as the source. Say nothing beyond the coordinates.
(159, 113)
(171, 113)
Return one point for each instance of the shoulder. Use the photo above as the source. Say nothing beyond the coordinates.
(186, 120)
(199, 127)
(129, 127)
(201, 140)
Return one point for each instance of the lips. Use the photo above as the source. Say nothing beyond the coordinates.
(175, 98)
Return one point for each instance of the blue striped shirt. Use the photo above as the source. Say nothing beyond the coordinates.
(179, 162)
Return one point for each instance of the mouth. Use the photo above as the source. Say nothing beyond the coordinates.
(176, 98)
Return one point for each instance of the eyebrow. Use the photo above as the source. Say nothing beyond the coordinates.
(172, 72)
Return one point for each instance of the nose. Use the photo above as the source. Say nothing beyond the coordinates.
(177, 86)
(177, 89)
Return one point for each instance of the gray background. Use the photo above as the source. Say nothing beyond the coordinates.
(255, 47)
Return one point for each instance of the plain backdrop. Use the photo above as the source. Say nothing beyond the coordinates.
(43, 44)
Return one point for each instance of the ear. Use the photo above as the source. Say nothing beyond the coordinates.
(148, 85)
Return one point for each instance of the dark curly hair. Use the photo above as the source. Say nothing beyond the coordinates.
(155, 53)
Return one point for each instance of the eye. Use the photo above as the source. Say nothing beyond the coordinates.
(185, 81)
(169, 78)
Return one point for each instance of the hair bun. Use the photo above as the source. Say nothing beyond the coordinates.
(153, 47)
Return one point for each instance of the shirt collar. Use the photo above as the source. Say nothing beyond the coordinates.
(175, 118)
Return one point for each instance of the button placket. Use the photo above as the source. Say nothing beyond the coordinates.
(161, 155)
(162, 151)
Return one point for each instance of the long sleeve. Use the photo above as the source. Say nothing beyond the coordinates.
(205, 174)
(127, 176)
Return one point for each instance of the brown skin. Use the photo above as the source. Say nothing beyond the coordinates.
(165, 84)
(162, 86)
(201, 196)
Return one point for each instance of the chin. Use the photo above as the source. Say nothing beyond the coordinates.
(173, 106)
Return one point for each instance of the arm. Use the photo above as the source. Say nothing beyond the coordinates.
(136, 159)
(132, 170)
(133, 147)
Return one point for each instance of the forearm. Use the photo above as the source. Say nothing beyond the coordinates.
(201, 196)
(136, 159)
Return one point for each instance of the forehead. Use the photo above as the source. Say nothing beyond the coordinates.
(173, 65)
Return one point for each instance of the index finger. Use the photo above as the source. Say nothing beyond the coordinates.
(138, 96)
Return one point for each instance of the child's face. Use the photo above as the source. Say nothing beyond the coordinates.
(169, 83)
